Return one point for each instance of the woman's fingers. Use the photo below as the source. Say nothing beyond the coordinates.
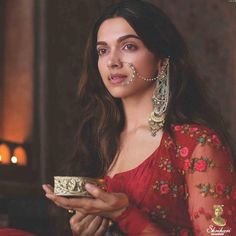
(79, 226)
(77, 217)
(110, 199)
(88, 225)
(82, 204)
(102, 228)
(97, 192)
(94, 225)
(48, 188)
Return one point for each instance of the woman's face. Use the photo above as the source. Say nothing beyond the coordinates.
(117, 45)
(218, 211)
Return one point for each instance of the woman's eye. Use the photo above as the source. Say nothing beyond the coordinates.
(130, 47)
(101, 51)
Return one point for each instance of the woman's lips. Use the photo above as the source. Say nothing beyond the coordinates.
(117, 78)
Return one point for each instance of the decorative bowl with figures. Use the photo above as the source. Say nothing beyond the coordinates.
(74, 186)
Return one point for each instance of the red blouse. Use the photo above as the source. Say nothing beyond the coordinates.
(182, 188)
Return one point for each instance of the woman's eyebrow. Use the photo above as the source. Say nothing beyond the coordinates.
(120, 39)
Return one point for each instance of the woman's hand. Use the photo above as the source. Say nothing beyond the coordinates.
(109, 205)
(90, 225)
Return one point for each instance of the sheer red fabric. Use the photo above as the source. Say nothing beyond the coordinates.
(186, 187)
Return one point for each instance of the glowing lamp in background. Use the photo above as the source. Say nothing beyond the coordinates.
(14, 160)
(5, 154)
(20, 153)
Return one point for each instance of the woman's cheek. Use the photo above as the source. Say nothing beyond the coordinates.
(100, 69)
(102, 64)
(103, 74)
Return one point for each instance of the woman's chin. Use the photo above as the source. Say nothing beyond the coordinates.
(119, 92)
(118, 95)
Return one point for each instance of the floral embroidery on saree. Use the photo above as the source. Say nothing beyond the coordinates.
(219, 190)
(201, 135)
(158, 212)
(165, 187)
(198, 164)
(165, 164)
(201, 212)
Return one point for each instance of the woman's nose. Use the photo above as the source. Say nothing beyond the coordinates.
(114, 61)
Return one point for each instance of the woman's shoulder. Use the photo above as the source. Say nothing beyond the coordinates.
(195, 133)
(192, 138)
(190, 128)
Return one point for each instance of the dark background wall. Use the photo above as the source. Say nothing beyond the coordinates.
(2, 5)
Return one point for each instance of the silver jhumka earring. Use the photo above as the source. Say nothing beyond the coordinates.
(160, 100)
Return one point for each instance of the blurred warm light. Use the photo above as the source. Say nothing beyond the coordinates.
(5, 154)
(21, 155)
(17, 71)
(14, 160)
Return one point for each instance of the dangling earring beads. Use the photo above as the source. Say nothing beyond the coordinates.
(160, 99)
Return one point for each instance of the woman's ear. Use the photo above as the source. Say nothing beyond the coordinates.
(161, 63)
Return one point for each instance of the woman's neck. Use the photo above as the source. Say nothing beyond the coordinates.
(137, 110)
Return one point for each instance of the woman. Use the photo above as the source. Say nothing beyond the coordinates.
(147, 128)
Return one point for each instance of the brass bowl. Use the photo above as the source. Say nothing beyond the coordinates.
(74, 186)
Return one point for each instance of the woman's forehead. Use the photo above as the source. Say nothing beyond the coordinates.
(114, 28)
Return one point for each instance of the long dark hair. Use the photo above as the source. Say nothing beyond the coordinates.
(101, 116)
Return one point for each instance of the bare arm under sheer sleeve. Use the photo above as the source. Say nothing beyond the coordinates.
(210, 180)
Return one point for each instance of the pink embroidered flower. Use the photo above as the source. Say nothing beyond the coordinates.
(193, 129)
(220, 188)
(178, 127)
(187, 164)
(216, 140)
(201, 210)
(195, 214)
(200, 165)
(184, 232)
(164, 189)
(184, 151)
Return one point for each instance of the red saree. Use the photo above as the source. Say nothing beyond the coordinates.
(180, 187)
